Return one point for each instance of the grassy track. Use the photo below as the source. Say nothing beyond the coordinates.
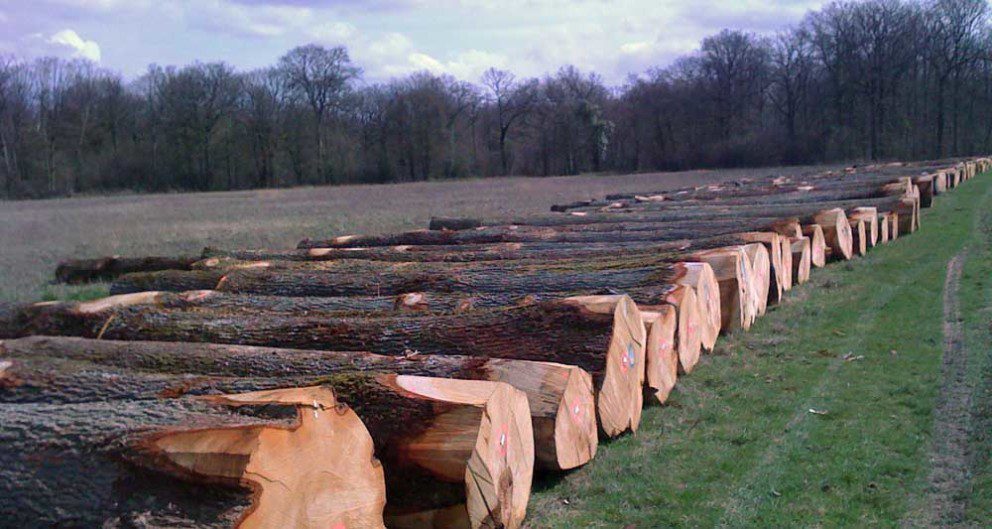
(738, 446)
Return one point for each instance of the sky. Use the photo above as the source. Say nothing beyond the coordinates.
(386, 38)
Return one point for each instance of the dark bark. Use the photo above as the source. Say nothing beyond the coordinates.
(76, 271)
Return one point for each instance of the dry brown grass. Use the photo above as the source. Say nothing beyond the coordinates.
(35, 235)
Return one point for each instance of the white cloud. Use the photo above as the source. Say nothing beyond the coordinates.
(86, 49)
(333, 32)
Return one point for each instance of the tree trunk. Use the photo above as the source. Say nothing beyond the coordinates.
(461, 447)
(661, 358)
(870, 218)
(130, 458)
(357, 278)
(560, 396)
(836, 232)
(732, 270)
(168, 280)
(801, 258)
(606, 341)
(75, 271)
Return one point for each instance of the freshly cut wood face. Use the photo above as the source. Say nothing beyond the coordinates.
(490, 445)
(662, 359)
(817, 245)
(788, 278)
(318, 473)
(732, 270)
(801, 261)
(761, 279)
(562, 407)
(620, 398)
(836, 232)
(700, 276)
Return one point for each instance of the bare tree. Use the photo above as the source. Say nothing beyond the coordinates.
(512, 102)
(320, 76)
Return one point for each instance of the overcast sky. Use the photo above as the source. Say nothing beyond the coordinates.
(386, 37)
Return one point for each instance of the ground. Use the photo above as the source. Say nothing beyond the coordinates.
(35, 235)
(863, 400)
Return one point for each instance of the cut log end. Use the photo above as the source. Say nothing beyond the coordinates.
(318, 473)
(801, 260)
(818, 245)
(500, 452)
(700, 276)
(660, 355)
(620, 397)
(562, 406)
(836, 233)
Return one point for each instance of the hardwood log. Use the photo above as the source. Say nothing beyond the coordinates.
(662, 360)
(172, 280)
(870, 216)
(785, 250)
(779, 274)
(76, 271)
(560, 396)
(457, 453)
(607, 341)
(892, 218)
(836, 232)
(732, 270)
(925, 184)
(818, 244)
(801, 261)
(103, 459)
(616, 232)
(457, 253)
(761, 272)
(363, 278)
(859, 236)
(700, 277)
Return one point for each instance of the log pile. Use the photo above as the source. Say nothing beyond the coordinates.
(414, 379)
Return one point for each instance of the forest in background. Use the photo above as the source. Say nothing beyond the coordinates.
(874, 80)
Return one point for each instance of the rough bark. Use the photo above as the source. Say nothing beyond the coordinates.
(100, 455)
(606, 341)
(75, 271)
(560, 396)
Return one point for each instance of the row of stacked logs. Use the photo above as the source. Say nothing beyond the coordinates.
(406, 380)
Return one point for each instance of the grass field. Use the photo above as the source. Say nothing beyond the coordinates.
(822, 415)
(35, 235)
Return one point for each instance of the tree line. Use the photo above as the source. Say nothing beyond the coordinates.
(874, 80)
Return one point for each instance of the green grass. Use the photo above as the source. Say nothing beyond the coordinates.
(976, 308)
(737, 445)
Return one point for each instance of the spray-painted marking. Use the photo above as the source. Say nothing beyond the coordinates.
(628, 359)
(503, 441)
(577, 414)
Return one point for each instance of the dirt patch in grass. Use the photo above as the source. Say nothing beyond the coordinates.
(948, 455)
